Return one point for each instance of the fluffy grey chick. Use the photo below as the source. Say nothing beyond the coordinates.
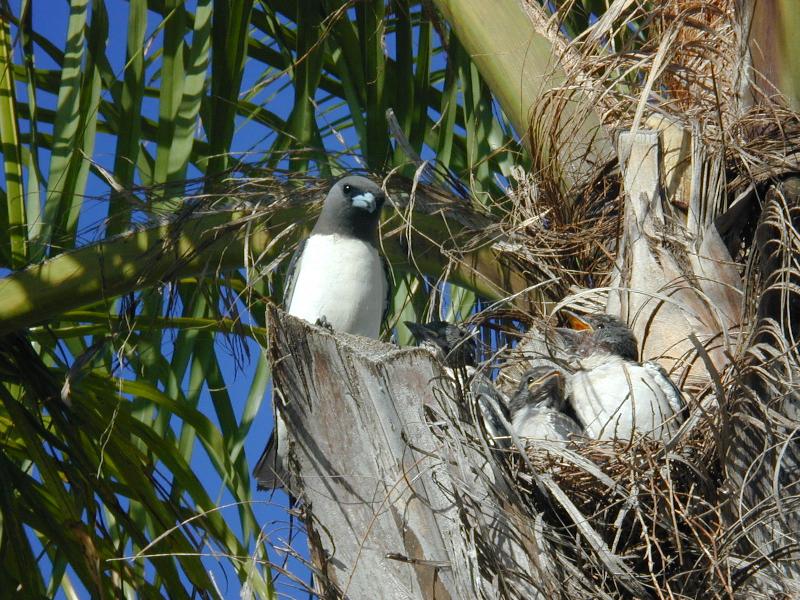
(538, 407)
(457, 349)
(614, 395)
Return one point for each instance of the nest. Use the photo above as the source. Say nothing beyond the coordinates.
(658, 508)
(630, 468)
(661, 514)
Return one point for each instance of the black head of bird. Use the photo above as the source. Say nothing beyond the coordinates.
(542, 386)
(589, 334)
(352, 207)
(452, 344)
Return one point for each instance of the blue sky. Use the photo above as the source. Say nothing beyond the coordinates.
(51, 21)
(250, 141)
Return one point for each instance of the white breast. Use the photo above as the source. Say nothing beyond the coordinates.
(617, 399)
(342, 279)
(536, 423)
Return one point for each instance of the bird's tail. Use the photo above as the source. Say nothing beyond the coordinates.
(270, 471)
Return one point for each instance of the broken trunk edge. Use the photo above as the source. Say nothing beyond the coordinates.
(397, 495)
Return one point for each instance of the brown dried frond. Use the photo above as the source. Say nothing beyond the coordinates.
(717, 514)
(685, 61)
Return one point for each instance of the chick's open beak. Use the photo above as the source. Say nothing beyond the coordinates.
(575, 322)
(544, 379)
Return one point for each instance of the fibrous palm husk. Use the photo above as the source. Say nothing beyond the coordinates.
(722, 145)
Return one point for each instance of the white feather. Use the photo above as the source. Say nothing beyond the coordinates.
(616, 399)
(342, 279)
(540, 423)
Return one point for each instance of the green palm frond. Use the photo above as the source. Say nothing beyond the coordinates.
(110, 344)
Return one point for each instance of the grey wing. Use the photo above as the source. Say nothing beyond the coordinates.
(387, 301)
(482, 385)
(673, 393)
(265, 467)
(564, 426)
(493, 406)
(270, 471)
(291, 274)
(545, 424)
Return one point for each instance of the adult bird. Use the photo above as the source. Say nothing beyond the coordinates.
(336, 278)
(614, 395)
(539, 407)
(457, 350)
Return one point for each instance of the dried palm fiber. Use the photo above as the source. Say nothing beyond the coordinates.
(721, 151)
(761, 456)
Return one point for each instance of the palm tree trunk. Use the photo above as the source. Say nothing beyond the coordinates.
(398, 502)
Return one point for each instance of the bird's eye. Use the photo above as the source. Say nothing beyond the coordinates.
(600, 326)
(347, 188)
(530, 380)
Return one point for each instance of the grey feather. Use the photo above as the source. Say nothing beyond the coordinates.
(544, 423)
(452, 344)
(291, 273)
(493, 405)
(269, 472)
(538, 407)
(675, 397)
(387, 302)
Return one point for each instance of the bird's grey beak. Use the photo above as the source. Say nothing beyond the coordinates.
(366, 201)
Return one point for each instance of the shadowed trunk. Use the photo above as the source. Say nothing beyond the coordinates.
(399, 503)
(763, 458)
